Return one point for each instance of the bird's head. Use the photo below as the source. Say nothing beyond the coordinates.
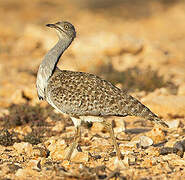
(64, 29)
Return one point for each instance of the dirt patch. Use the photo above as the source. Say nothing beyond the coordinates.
(143, 41)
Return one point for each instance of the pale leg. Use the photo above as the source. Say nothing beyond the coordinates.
(77, 137)
(111, 131)
(74, 144)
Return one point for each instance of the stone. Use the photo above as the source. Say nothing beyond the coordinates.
(34, 164)
(145, 141)
(174, 123)
(23, 130)
(122, 136)
(26, 173)
(152, 151)
(120, 125)
(65, 164)
(57, 148)
(128, 147)
(97, 127)
(147, 163)
(23, 147)
(156, 134)
(80, 157)
(59, 126)
(115, 163)
(40, 151)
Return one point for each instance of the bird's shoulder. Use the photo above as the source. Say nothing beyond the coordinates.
(84, 93)
(79, 80)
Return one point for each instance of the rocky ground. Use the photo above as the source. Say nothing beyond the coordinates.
(137, 45)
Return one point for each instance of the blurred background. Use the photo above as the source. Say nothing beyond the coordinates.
(137, 45)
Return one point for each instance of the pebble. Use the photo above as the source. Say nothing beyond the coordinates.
(97, 127)
(40, 151)
(34, 164)
(65, 164)
(59, 126)
(173, 124)
(120, 125)
(23, 147)
(179, 148)
(152, 151)
(145, 141)
(57, 148)
(23, 130)
(80, 157)
(147, 163)
(165, 150)
(115, 163)
(26, 173)
(156, 134)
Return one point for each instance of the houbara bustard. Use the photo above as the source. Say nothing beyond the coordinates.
(84, 96)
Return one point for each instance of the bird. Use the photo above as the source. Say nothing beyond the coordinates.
(84, 96)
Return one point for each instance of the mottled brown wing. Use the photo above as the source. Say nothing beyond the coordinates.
(78, 93)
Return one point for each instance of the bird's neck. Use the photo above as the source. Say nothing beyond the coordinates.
(48, 65)
(51, 59)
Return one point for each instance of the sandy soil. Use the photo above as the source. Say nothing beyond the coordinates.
(137, 45)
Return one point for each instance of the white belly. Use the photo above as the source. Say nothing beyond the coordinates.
(91, 118)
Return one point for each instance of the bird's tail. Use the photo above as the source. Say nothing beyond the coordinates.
(141, 110)
(158, 121)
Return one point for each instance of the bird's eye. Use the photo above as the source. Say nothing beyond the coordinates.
(66, 27)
